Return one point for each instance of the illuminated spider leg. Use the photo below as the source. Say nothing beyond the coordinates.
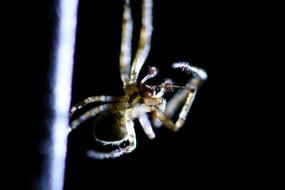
(120, 151)
(199, 76)
(92, 113)
(146, 125)
(144, 41)
(93, 99)
(175, 102)
(126, 44)
(182, 116)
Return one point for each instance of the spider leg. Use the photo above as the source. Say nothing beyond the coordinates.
(171, 106)
(93, 99)
(126, 44)
(93, 112)
(185, 109)
(118, 151)
(199, 76)
(146, 125)
(104, 155)
(145, 39)
(175, 102)
(182, 116)
(164, 87)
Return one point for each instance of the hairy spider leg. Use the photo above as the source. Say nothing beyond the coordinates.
(182, 116)
(175, 102)
(126, 43)
(199, 76)
(93, 99)
(165, 119)
(144, 40)
(120, 151)
(185, 109)
(93, 112)
(146, 125)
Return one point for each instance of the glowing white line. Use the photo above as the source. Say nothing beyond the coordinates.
(63, 69)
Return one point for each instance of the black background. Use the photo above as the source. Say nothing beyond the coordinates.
(212, 146)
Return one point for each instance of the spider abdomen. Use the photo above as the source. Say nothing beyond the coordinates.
(110, 126)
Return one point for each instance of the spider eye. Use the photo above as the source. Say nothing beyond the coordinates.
(109, 127)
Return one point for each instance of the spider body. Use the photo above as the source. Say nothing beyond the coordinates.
(114, 117)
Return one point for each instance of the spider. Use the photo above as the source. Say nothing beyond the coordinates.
(114, 122)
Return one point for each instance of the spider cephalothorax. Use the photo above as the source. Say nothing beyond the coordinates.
(114, 126)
